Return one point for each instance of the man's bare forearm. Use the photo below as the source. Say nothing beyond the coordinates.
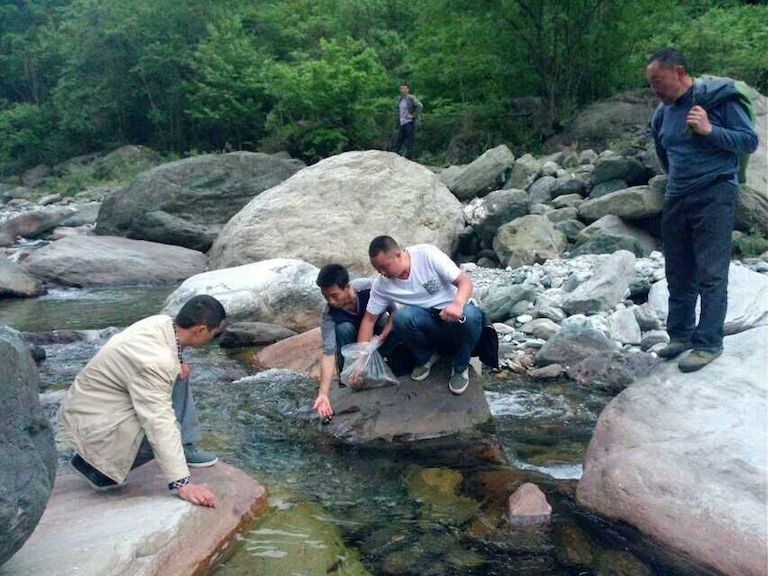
(327, 370)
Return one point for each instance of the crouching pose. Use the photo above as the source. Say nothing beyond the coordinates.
(132, 402)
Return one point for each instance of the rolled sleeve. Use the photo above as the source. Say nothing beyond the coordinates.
(328, 333)
(377, 302)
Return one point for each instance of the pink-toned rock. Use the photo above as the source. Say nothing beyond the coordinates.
(301, 353)
(141, 529)
(528, 506)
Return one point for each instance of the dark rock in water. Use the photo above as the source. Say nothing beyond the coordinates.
(37, 352)
(242, 334)
(187, 202)
(400, 414)
(27, 451)
(54, 337)
(612, 371)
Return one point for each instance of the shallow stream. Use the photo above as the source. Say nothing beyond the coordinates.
(338, 509)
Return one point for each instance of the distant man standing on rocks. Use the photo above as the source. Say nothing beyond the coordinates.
(132, 402)
(436, 314)
(699, 130)
(408, 109)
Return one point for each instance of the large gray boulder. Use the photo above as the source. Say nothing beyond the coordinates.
(329, 212)
(631, 204)
(486, 214)
(528, 240)
(27, 452)
(682, 457)
(187, 202)
(605, 288)
(112, 261)
(747, 299)
(482, 174)
(609, 234)
(279, 291)
(16, 282)
(33, 224)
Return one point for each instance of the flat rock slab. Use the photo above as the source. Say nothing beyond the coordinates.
(409, 411)
(140, 529)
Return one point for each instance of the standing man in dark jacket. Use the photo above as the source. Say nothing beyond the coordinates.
(408, 110)
(699, 130)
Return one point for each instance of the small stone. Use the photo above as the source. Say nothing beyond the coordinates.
(547, 372)
(49, 199)
(652, 338)
(524, 318)
(528, 506)
(502, 328)
(646, 317)
(623, 326)
(543, 328)
(552, 312)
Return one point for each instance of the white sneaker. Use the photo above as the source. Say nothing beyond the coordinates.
(459, 381)
(421, 372)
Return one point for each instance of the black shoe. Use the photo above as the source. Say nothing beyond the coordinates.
(96, 479)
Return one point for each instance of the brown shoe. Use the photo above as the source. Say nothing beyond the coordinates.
(674, 348)
(697, 359)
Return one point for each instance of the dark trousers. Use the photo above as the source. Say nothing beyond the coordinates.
(186, 416)
(406, 136)
(696, 233)
(425, 333)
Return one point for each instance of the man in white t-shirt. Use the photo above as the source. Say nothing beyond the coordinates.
(436, 315)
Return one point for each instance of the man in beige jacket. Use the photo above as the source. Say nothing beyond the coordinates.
(131, 403)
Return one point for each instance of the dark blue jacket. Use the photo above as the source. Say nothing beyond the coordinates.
(694, 161)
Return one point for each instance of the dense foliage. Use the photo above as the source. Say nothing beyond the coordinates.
(315, 77)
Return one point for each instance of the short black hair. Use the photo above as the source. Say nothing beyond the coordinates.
(333, 275)
(384, 244)
(202, 310)
(668, 58)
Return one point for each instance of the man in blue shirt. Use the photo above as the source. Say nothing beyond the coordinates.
(699, 130)
(408, 109)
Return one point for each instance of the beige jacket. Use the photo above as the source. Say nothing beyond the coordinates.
(122, 394)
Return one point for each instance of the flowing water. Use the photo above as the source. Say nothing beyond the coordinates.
(338, 509)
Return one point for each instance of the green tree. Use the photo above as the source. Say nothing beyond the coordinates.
(328, 104)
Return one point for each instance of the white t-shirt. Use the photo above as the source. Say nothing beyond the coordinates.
(429, 284)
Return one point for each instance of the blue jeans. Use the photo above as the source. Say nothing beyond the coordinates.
(186, 417)
(696, 233)
(425, 334)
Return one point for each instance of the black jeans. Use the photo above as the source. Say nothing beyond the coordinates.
(406, 135)
(696, 234)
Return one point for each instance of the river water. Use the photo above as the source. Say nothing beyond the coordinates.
(338, 509)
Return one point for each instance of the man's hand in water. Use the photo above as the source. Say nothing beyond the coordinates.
(198, 494)
(323, 406)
